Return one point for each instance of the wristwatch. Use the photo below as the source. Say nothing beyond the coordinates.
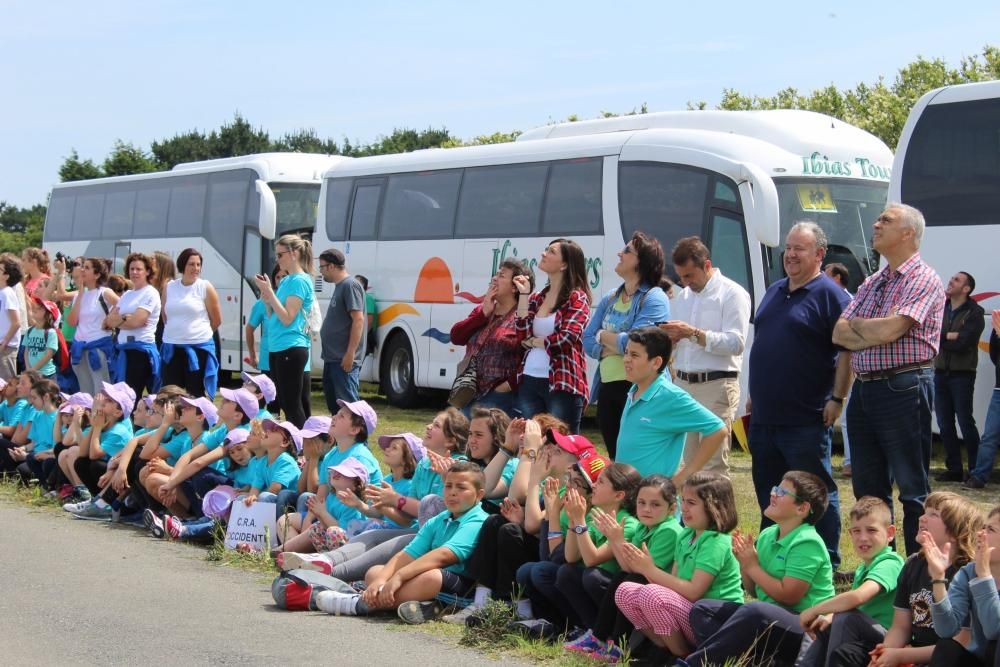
(401, 503)
(694, 337)
(579, 530)
(532, 454)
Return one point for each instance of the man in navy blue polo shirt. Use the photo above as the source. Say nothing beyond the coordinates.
(797, 382)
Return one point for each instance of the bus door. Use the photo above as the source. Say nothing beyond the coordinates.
(361, 248)
(254, 247)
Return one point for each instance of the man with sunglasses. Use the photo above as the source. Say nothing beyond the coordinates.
(893, 328)
(343, 333)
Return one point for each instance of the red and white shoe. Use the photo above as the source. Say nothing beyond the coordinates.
(288, 560)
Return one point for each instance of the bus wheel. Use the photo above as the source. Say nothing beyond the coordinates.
(397, 372)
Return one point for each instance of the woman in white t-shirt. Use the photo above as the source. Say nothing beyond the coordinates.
(92, 347)
(191, 315)
(137, 362)
(10, 316)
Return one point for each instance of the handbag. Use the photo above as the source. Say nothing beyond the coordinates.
(466, 383)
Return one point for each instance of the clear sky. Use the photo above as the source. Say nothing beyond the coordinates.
(83, 74)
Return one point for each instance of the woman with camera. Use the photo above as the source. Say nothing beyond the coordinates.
(92, 344)
(137, 362)
(191, 314)
(287, 325)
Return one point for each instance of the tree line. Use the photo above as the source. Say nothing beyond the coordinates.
(879, 107)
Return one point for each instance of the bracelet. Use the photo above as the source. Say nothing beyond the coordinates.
(939, 581)
(837, 399)
(504, 450)
(554, 534)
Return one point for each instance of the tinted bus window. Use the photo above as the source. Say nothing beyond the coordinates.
(501, 200)
(573, 200)
(338, 196)
(665, 201)
(420, 205)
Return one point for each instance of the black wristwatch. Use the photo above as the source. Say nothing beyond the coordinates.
(837, 400)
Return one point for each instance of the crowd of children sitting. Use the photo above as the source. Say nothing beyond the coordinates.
(518, 511)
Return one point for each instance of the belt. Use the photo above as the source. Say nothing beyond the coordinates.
(872, 376)
(695, 378)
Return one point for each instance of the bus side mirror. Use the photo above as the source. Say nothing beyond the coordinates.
(760, 204)
(267, 218)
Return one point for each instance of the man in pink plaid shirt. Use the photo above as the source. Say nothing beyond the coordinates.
(893, 328)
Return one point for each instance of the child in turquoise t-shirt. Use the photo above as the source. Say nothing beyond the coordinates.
(40, 460)
(703, 568)
(789, 569)
(41, 344)
(281, 471)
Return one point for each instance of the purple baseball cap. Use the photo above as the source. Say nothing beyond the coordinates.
(363, 410)
(122, 394)
(148, 400)
(350, 467)
(264, 383)
(287, 427)
(415, 444)
(217, 502)
(244, 399)
(81, 399)
(315, 426)
(207, 407)
(236, 437)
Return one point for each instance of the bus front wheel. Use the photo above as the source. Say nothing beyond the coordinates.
(398, 371)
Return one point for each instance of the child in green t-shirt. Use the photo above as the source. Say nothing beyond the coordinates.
(866, 609)
(704, 567)
(788, 569)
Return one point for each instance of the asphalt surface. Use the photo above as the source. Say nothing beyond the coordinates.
(76, 592)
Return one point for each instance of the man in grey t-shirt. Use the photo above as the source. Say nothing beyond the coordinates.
(343, 332)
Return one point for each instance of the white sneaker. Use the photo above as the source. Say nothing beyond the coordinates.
(76, 507)
(458, 618)
(289, 560)
(336, 603)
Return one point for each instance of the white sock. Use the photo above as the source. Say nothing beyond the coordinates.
(524, 611)
(100, 503)
(482, 595)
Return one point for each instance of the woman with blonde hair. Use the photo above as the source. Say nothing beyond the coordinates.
(288, 325)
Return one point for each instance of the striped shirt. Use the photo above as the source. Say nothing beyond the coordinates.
(913, 290)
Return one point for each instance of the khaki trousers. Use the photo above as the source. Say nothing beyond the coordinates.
(722, 398)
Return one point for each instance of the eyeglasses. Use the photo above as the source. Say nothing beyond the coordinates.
(780, 491)
(324, 267)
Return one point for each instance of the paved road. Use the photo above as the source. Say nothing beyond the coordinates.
(76, 592)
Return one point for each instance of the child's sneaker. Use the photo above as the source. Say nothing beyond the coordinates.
(75, 507)
(461, 616)
(585, 643)
(337, 603)
(151, 520)
(51, 494)
(93, 512)
(82, 492)
(288, 560)
(174, 526)
(416, 613)
(608, 653)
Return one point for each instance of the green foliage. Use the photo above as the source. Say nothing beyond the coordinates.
(880, 108)
(20, 227)
(75, 169)
(400, 141)
(128, 159)
(305, 141)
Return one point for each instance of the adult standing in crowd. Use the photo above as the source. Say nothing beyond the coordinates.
(10, 317)
(637, 302)
(137, 362)
(35, 266)
(191, 314)
(955, 374)
(491, 342)
(709, 333)
(93, 347)
(371, 315)
(985, 457)
(287, 326)
(552, 376)
(797, 379)
(344, 331)
(839, 274)
(165, 272)
(893, 327)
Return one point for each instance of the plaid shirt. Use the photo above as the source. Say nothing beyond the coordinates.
(913, 290)
(567, 366)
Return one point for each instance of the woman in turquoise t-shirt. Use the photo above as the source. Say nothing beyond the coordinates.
(287, 325)
(259, 350)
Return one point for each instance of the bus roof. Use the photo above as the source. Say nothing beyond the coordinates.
(963, 92)
(282, 167)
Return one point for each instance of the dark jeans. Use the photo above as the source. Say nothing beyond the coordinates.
(779, 449)
(339, 385)
(291, 383)
(90, 470)
(890, 426)
(538, 583)
(847, 642)
(988, 444)
(139, 373)
(533, 397)
(949, 653)
(727, 630)
(177, 372)
(582, 588)
(502, 548)
(610, 405)
(953, 399)
(504, 400)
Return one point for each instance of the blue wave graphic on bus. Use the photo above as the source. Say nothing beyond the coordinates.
(438, 335)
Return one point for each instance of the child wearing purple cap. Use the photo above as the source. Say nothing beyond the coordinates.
(337, 520)
(281, 471)
(401, 454)
(110, 431)
(316, 444)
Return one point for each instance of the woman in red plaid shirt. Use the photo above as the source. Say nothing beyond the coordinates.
(553, 373)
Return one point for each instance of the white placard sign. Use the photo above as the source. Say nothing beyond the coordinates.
(252, 525)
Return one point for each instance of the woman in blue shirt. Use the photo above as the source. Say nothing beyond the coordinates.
(287, 325)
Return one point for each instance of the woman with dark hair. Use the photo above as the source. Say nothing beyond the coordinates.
(288, 326)
(92, 345)
(191, 314)
(10, 317)
(137, 362)
(491, 343)
(553, 373)
(637, 302)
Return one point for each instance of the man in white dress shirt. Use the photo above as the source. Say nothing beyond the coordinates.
(709, 334)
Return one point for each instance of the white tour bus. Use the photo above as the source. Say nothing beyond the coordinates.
(230, 210)
(948, 166)
(430, 228)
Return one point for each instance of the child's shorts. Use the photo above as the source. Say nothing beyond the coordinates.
(457, 585)
(327, 539)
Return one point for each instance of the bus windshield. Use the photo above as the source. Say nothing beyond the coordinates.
(844, 209)
(296, 204)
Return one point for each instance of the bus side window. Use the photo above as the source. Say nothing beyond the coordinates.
(728, 246)
(364, 213)
(338, 196)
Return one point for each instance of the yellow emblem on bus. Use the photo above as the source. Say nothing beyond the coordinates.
(816, 198)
